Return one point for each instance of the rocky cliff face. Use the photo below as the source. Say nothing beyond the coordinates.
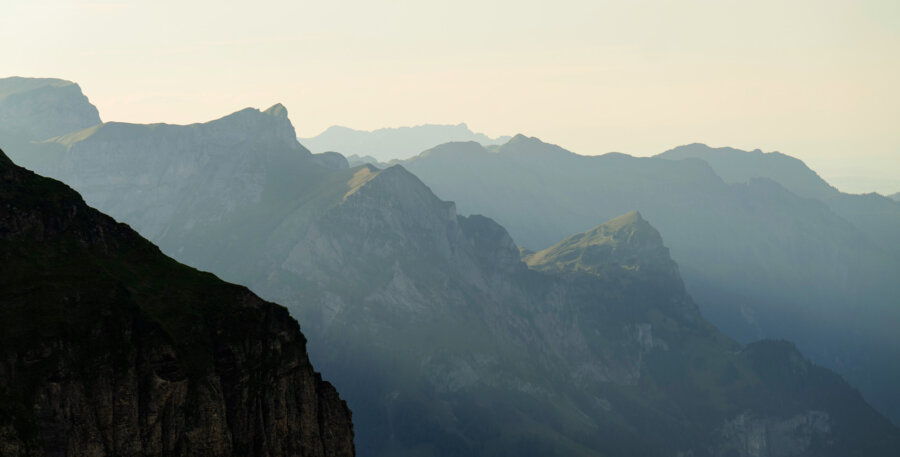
(110, 348)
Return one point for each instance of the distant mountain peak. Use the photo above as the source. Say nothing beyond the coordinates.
(277, 110)
(35, 109)
(627, 242)
(394, 143)
(529, 146)
(522, 138)
(737, 166)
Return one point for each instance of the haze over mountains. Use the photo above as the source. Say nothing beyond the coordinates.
(760, 260)
(388, 144)
(446, 342)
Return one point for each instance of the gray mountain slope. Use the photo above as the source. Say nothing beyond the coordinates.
(761, 261)
(393, 143)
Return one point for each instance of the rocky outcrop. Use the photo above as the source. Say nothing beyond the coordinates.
(110, 348)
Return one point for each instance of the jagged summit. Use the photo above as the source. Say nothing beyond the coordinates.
(277, 110)
(271, 126)
(628, 242)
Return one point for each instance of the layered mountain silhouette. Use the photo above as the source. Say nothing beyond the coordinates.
(442, 339)
(760, 260)
(108, 347)
(384, 145)
(895, 197)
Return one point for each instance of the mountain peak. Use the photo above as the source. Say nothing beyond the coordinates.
(531, 147)
(277, 110)
(35, 109)
(632, 218)
(394, 143)
(628, 242)
(521, 138)
(737, 166)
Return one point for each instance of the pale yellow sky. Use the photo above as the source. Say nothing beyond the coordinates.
(814, 79)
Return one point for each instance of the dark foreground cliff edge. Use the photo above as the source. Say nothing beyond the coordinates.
(108, 347)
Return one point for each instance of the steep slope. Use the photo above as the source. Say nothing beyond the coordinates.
(877, 216)
(393, 143)
(109, 347)
(41, 108)
(760, 261)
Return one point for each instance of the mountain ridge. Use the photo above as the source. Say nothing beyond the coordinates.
(386, 144)
(445, 343)
(786, 243)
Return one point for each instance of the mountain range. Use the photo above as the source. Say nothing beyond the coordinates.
(761, 261)
(384, 145)
(445, 337)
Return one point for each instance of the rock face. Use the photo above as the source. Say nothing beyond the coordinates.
(110, 348)
(41, 108)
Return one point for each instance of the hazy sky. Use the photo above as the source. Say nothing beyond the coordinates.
(814, 79)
